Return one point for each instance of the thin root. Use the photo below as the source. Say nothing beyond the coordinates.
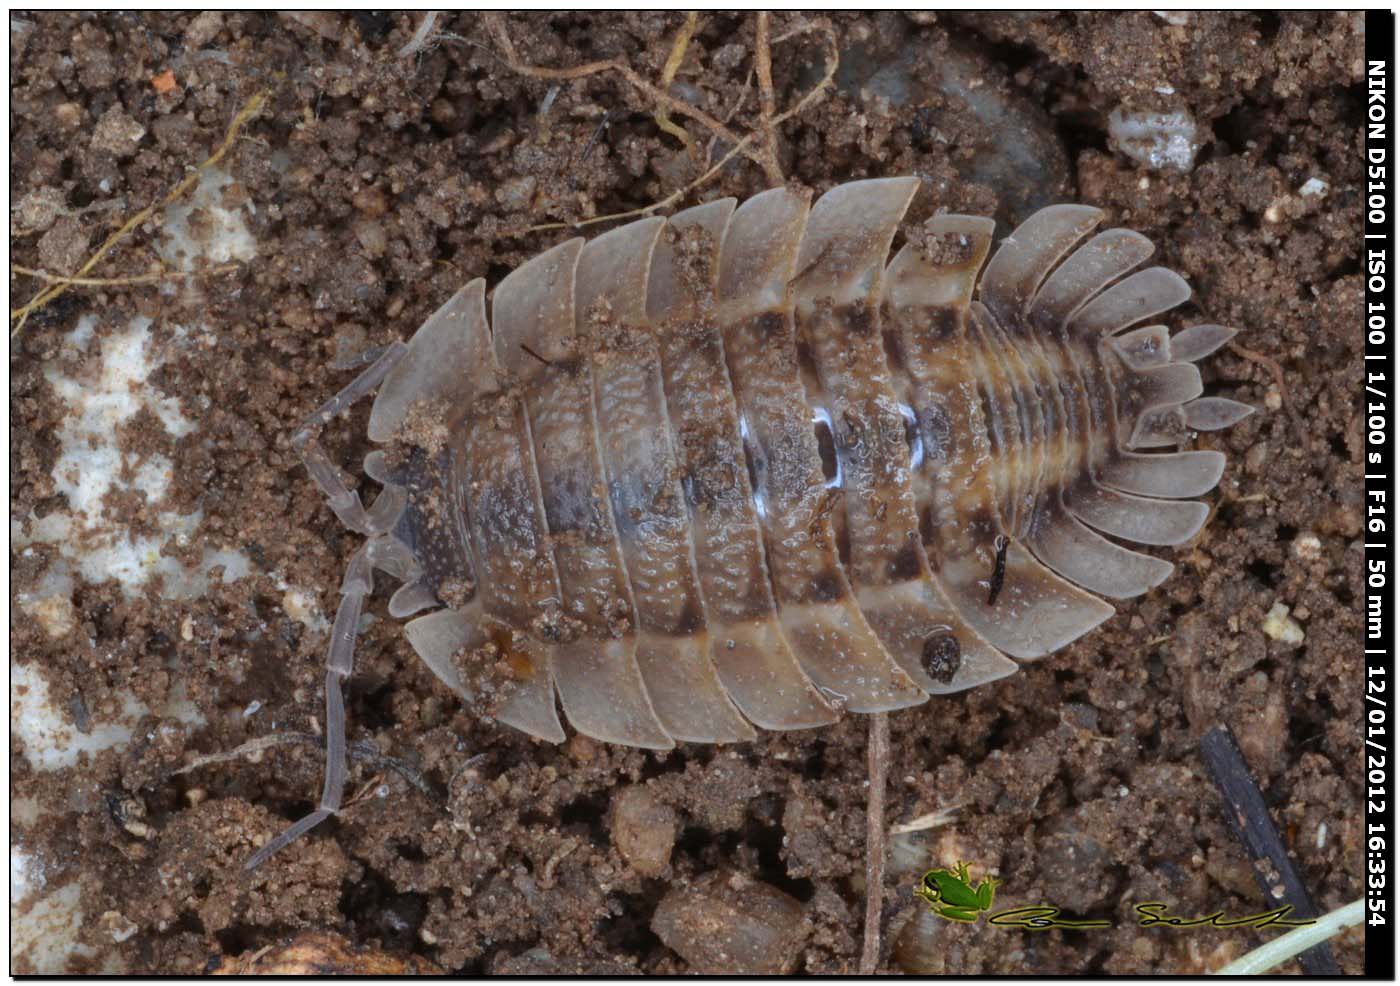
(759, 147)
(878, 761)
(362, 751)
(1268, 362)
(250, 109)
(668, 73)
(423, 36)
(932, 820)
(112, 282)
(767, 103)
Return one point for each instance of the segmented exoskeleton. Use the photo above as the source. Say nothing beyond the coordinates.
(741, 468)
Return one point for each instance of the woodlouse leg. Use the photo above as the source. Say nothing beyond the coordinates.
(344, 501)
(340, 658)
(355, 586)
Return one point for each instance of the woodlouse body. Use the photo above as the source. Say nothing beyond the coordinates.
(740, 467)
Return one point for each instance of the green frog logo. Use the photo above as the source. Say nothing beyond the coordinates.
(951, 895)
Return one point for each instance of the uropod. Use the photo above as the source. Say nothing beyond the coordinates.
(742, 468)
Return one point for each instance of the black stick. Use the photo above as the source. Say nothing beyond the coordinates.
(1248, 817)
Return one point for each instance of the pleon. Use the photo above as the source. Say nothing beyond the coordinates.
(1144, 348)
(1025, 257)
(1214, 413)
(1086, 272)
(1199, 341)
(1135, 298)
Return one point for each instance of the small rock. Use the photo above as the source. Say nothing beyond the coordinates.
(1260, 722)
(516, 194)
(729, 923)
(581, 749)
(118, 925)
(371, 201)
(540, 961)
(68, 115)
(40, 208)
(1280, 626)
(204, 29)
(643, 829)
(1160, 141)
(1073, 862)
(64, 247)
(322, 953)
(1313, 187)
(373, 240)
(116, 133)
(1307, 546)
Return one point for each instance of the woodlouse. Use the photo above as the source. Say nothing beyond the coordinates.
(740, 468)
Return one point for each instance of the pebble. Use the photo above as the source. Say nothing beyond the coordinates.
(323, 953)
(1307, 546)
(372, 237)
(540, 961)
(1160, 141)
(39, 209)
(727, 922)
(643, 829)
(116, 133)
(68, 115)
(64, 247)
(118, 925)
(516, 194)
(1313, 187)
(1278, 625)
(204, 29)
(371, 200)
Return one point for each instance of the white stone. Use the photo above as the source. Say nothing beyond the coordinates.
(1161, 141)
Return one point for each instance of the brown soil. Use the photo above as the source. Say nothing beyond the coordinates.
(381, 184)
